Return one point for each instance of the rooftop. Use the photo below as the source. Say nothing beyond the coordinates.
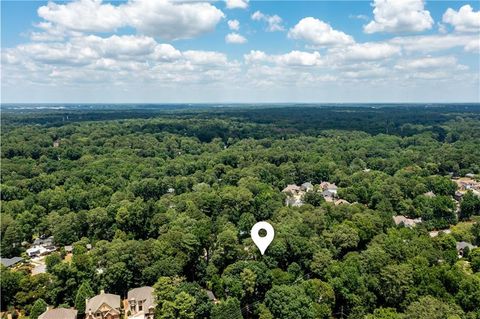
(143, 293)
(9, 262)
(59, 313)
(95, 302)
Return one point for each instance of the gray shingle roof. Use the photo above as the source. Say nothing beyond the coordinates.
(8, 262)
(464, 244)
(59, 313)
(143, 293)
(95, 302)
(210, 295)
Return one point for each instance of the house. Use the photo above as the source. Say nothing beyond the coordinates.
(59, 313)
(294, 195)
(140, 303)
(68, 249)
(10, 262)
(292, 189)
(56, 143)
(462, 246)
(41, 247)
(407, 222)
(306, 187)
(40, 241)
(329, 196)
(435, 233)
(37, 251)
(331, 187)
(212, 297)
(467, 183)
(103, 306)
(341, 202)
(293, 201)
(470, 175)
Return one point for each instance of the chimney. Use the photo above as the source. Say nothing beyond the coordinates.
(102, 292)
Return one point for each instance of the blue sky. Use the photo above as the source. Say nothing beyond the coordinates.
(281, 51)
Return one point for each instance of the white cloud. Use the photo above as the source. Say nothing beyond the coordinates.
(166, 53)
(473, 46)
(463, 20)
(205, 57)
(368, 51)
(442, 62)
(399, 16)
(117, 46)
(115, 60)
(255, 56)
(299, 58)
(172, 21)
(236, 4)
(318, 33)
(163, 19)
(68, 53)
(233, 25)
(235, 38)
(293, 58)
(274, 23)
(432, 43)
(84, 15)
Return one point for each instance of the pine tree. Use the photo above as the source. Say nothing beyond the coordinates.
(84, 292)
(39, 307)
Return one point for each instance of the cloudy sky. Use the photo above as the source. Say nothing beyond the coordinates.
(164, 51)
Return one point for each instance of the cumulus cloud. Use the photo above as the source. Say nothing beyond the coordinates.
(473, 46)
(399, 16)
(236, 4)
(442, 62)
(432, 43)
(318, 33)
(233, 25)
(72, 50)
(115, 59)
(274, 23)
(84, 15)
(368, 51)
(235, 38)
(163, 19)
(463, 20)
(293, 58)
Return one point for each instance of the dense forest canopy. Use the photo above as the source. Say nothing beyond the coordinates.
(167, 198)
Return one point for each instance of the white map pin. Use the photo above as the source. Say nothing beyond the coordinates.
(262, 242)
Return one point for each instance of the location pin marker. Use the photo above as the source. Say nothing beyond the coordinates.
(262, 242)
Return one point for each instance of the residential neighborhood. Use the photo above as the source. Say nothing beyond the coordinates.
(295, 194)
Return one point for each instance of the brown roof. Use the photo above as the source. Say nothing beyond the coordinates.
(59, 313)
(291, 188)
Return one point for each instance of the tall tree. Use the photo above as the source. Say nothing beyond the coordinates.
(83, 293)
(39, 307)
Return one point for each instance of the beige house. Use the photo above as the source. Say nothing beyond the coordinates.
(103, 306)
(405, 221)
(59, 313)
(292, 189)
(140, 303)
